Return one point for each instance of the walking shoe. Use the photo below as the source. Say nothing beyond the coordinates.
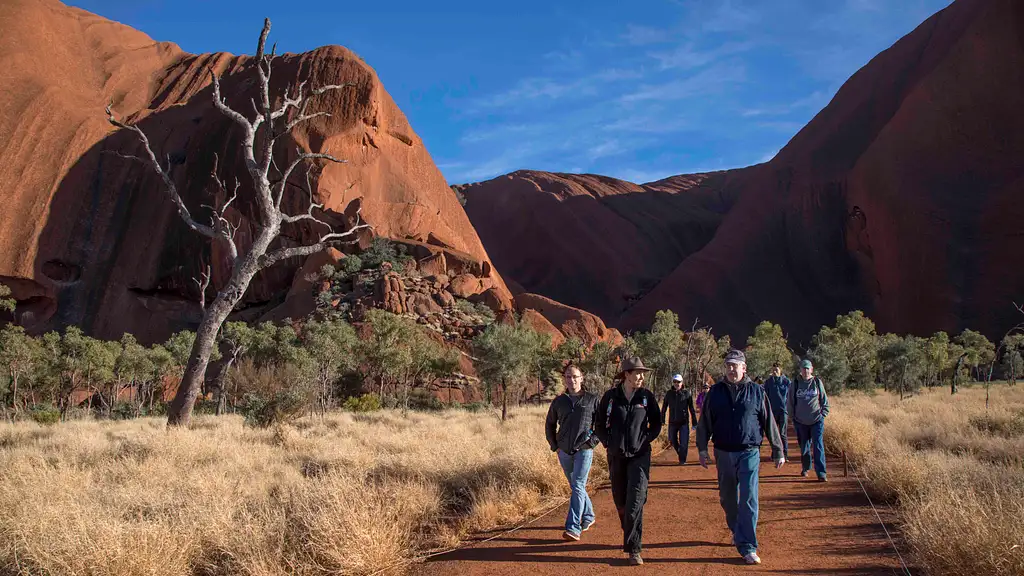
(587, 527)
(570, 536)
(752, 558)
(635, 559)
(823, 478)
(803, 473)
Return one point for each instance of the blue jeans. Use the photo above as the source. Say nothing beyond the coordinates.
(738, 474)
(806, 436)
(577, 469)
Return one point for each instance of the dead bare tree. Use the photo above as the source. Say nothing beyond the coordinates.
(259, 137)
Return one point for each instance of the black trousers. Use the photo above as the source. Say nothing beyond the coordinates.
(629, 477)
(781, 420)
(679, 438)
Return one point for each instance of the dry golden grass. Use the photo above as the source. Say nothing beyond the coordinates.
(954, 469)
(348, 494)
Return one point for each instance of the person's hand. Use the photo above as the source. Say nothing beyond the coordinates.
(780, 462)
(704, 461)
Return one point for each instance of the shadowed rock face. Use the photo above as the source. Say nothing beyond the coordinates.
(595, 242)
(903, 198)
(89, 238)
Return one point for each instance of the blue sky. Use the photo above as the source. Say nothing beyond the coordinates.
(639, 92)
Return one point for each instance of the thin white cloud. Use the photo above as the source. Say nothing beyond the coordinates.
(637, 35)
(687, 56)
(703, 82)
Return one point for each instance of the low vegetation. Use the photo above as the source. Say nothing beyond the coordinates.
(343, 494)
(953, 469)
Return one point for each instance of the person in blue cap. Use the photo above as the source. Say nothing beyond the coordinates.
(808, 405)
(678, 404)
(736, 416)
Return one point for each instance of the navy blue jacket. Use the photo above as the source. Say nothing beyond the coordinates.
(777, 388)
(739, 424)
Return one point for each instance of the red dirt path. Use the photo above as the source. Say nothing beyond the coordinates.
(805, 527)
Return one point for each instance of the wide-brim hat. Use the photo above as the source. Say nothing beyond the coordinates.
(630, 365)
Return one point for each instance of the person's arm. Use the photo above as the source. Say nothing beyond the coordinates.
(791, 400)
(689, 406)
(593, 439)
(600, 421)
(551, 426)
(655, 422)
(824, 399)
(771, 430)
(664, 405)
(704, 427)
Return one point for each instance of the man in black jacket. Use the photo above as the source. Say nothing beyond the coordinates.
(628, 420)
(736, 416)
(570, 432)
(777, 390)
(679, 406)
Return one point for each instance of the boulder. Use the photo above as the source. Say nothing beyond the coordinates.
(466, 285)
(444, 299)
(538, 322)
(390, 295)
(422, 304)
(494, 299)
(433, 265)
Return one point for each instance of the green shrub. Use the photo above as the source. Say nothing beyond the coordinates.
(44, 414)
(282, 407)
(351, 264)
(424, 400)
(475, 407)
(383, 250)
(364, 403)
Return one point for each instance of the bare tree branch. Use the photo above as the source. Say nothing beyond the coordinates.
(203, 282)
(326, 240)
(171, 189)
(303, 156)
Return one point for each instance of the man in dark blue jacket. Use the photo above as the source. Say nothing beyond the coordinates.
(777, 389)
(736, 416)
(570, 432)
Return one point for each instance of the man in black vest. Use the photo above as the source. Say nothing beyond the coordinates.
(628, 420)
(736, 416)
(777, 388)
(679, 406)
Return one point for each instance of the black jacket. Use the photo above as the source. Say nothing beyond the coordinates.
(627, 428)
(570, 423)
(679, 405)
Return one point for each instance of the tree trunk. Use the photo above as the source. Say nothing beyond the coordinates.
(179, 413)
(14, 391)
(504, 401)
(219, 398)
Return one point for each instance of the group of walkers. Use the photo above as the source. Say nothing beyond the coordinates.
(735, 414)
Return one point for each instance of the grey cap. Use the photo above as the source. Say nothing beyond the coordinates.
(735, 357)
(807, 364)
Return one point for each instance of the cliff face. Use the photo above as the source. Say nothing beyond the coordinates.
(595, 242)
(903, 198)
(88, 237)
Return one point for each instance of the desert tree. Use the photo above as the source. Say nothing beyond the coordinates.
(767, 346)
(19, 357)
(271, 123)
(6, 302)
(661, 348)
(981, 352)
(509, 354)
(330, 345)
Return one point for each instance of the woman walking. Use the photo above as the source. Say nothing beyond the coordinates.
(628, 420)
(570, 432)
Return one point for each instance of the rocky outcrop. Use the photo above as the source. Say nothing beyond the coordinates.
(87, 237)
(570, 322)
(594, 242)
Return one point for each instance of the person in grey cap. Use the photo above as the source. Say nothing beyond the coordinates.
(736, 416)
(678, 404)
(628, 420)
(808, 405)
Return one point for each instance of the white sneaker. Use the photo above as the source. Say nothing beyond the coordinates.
(752, 558)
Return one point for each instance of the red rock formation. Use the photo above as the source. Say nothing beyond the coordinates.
(88, 238)
(571, 322)
(539, 323)
(594, 242)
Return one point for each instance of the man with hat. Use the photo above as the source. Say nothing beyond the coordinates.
(627, 421)
(678, 404)
(808, 403)
(736, 416)
(777, 388)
